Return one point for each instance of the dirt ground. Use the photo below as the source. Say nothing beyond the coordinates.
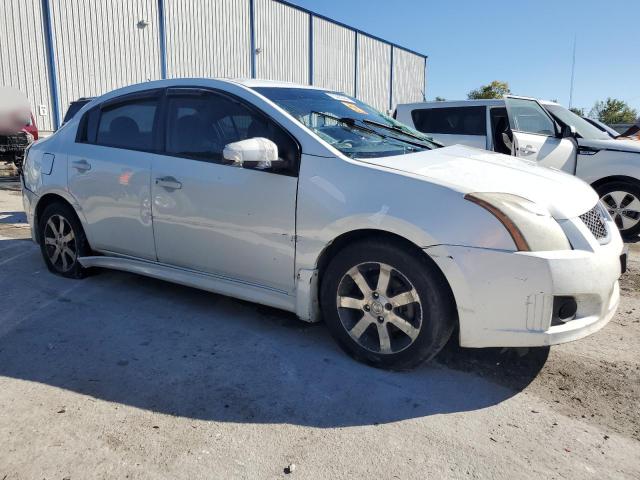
(120, 376)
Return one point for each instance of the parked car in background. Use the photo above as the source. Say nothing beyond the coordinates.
(602, 126)
(74, 107)
(311, 201)
(14, 144)
(544, 132)
(633, 131)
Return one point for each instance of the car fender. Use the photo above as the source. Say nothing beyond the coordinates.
(338, 197)
(608, 163)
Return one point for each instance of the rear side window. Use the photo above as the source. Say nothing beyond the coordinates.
(451, 121)
(128, 125)
(88, 126)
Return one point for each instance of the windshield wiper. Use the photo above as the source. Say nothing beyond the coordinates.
(351, 122)
(360, 125)
(393, 128)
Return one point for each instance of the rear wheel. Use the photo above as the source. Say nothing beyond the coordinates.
(385, 306)
(62, 241)
(622, 200)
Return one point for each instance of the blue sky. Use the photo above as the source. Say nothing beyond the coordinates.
(526, 43)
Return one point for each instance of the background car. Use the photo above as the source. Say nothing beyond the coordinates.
(546, 133)
(14, 144)
(74, 107)
(602, 126)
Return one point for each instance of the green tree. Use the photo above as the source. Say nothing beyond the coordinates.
(441, 99)
(578, 111)
(495, 89)
(612, 111)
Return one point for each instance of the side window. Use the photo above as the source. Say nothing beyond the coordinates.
(451, 121)
(529, 117)
(128, 125)
(88, 126)
(200, 126)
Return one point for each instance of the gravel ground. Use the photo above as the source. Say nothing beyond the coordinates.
(120, 376)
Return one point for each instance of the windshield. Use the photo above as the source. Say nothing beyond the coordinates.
(583, 128)
(353, 127)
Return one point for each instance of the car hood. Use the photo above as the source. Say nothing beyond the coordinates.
(468, 170)
(630, 146)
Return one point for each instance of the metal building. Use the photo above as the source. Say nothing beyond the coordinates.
(58, 50)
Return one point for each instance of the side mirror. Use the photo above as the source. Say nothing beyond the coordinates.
(568, 131)
(261, 151)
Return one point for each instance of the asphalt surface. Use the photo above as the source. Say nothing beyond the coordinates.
(121, 376)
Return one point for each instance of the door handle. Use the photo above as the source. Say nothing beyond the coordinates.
(169, 183)
(528, 150)
(81, 165)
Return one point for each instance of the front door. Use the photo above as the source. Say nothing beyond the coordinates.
(109, 171)
(216, 218)
(535, 135)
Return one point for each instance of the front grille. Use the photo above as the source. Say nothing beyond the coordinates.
(595, 221)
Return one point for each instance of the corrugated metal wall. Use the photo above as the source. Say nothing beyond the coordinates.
(282, 39)
(208, 38)
(99, 45)
(374, 72)
(334, 56)
(23, 62)
(408, 77)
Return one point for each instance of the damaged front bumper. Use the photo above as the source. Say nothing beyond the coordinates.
(506, 299)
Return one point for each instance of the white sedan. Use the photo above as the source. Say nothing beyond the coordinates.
(313, 202)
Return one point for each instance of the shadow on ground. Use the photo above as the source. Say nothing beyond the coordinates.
(13, 217)
(180, 351)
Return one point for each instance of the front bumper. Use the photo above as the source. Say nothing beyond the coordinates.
(505, 299)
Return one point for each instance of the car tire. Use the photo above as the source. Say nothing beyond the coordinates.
(617, 196)
(62, 241)
(416, 308)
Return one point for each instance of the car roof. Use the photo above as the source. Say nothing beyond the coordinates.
(258, 83)
(456, 103)
(497, 102)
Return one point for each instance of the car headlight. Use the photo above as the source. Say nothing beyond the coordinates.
(531, 226)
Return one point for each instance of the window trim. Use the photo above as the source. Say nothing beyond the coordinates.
(196, 90)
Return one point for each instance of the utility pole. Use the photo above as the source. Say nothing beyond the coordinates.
(573, 71)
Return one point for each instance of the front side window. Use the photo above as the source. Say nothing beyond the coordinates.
(128, 125)
(451, 120)
(529, 117)
(200, 125)
(351, 126)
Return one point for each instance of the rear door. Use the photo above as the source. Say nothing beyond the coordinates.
(109, 173)
(535, 135)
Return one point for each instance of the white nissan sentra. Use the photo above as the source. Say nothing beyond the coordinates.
(313, 202)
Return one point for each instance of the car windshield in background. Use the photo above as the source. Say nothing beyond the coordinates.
(353, 127)
(583, 128)
(75, 108)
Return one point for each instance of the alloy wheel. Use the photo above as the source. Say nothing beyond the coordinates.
(379, 308)
(60, 243)
(623, 207)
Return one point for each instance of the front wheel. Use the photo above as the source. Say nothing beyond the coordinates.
(385, 306)
(622, 200)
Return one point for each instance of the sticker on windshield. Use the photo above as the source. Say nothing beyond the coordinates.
(340, 98)
(354, 107)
